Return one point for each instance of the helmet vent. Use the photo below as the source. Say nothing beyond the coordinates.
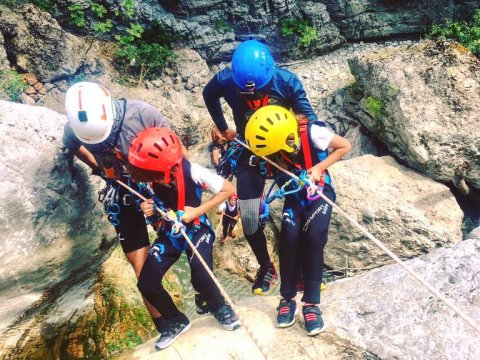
(263, 128)
(152, 155)
(270, 121)
(260, 137)
(165, 141)
(158, 147)
(172, 139)
(278, 116)
(260, 146)
(139, 147)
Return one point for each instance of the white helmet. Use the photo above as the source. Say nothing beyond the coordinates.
(90, 111)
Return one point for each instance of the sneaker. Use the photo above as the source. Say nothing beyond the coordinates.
(172, 330)
(287, 309)
(200, 305)
(313, 320)
(232, 234)
(227, 317)
(222, 242)
(264, 280)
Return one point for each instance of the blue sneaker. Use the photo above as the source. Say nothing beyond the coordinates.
(287, 309)
(313, 320)
(227, 318)
(264, 280)
(172, 329)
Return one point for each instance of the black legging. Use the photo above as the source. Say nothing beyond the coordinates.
(228, 225)
(250, 185)
(162, 256)
(306, 225)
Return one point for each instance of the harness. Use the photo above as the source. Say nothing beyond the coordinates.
(164, 224)
(228, 163)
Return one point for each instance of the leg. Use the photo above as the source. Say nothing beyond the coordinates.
(133, 234)
(249, 194)
(160, 258)
(314, 235)
(289, 245)
(225, 227)
(201, 280)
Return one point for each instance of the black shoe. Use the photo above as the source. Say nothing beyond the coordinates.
(313, 320)
(173, 328)
(227, 317)
(287, 309)
(201, 305)
(264, 280)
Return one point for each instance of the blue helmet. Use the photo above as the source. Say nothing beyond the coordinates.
(252, 65)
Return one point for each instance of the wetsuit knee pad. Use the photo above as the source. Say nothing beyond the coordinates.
(250, 213)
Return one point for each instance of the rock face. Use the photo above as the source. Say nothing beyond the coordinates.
(382, 314)
(424, 105)
(367, 19)
(52, 225)
(409, 213)
(40, 46)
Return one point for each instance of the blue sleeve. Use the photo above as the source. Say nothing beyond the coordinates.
(70, 141)
(300, 104)
(211, 95)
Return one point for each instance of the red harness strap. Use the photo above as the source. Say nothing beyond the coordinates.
(307, 154)
(180, 187)
(256, 104)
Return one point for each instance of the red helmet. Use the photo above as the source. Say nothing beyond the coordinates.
(156, 149)
(234, 196)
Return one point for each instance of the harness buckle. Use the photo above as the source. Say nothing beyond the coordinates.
(127, 200)
(252, 161)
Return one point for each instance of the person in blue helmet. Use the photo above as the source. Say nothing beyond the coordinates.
(254, 81)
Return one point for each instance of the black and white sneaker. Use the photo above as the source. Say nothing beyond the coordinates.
(313, 320)
(200, 305)
(173, 328)
(287, 309)
(227, 318)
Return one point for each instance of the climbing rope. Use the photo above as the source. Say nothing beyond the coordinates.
(178, 225)
(375, 241)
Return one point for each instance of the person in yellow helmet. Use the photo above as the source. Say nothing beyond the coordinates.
(273, 131)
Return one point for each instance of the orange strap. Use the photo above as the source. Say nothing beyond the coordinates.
(307, 155)
(256, 104)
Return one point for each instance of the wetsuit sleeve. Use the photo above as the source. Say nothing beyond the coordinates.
(211, 181)
(211, 95)
(300, 104)
(321, 136)
(70, 140)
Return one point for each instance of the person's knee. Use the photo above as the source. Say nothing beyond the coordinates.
(137, 259)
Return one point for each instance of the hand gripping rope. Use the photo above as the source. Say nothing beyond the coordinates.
(376, 242)
(181, 228)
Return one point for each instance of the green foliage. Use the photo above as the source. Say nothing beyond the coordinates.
(131, 341)
(49, 6)
(128, 6)
(466, 33)
(98, 9)
(301, 28)
(76, 15)
(103, 27)
(374, 106)
(143, 53)
(223, 26)
(12, 84)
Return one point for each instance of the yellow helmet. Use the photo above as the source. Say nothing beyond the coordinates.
(268, 129)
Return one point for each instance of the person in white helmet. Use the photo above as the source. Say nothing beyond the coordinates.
(99, 132)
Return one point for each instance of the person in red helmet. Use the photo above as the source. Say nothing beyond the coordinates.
(230, 214)
(174, 185)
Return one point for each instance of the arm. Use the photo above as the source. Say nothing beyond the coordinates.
(216, 155)
(211, 95)
(340, 147)
(191, 213)
(87, 157)
(300, 104)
